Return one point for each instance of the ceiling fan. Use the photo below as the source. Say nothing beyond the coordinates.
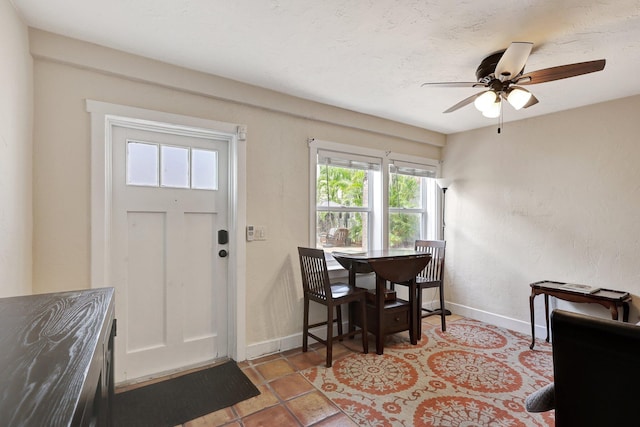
(502, 75)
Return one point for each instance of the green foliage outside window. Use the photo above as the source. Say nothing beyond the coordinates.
(346, 187)
(404, 192)
(341, 187)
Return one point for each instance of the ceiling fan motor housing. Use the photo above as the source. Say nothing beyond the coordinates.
(486, 70)
(487, 67)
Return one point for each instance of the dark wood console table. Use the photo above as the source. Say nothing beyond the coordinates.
(56, 359)
(606, 297)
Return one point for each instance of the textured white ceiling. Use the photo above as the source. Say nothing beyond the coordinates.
(369, 56)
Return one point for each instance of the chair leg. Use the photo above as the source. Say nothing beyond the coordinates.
(305, 327)
(415, 314)
(419, 315)
(339, 317)
(329, 334)
(363, 321)
(443, 313)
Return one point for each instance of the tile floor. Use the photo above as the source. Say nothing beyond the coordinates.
(287, 398)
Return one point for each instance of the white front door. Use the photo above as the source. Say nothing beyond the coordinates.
(168, 222)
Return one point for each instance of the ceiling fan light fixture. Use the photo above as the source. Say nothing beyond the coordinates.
(518, 97)
(485, 101)
(494, 110)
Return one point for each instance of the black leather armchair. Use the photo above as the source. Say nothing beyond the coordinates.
(596, 368)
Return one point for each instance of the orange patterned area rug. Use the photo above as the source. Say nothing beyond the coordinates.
(474, 374)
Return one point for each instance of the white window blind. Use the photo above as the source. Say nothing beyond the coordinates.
(412, 169)
(347, 160)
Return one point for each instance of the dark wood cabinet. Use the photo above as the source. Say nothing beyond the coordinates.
(56, 359)
(396, 316)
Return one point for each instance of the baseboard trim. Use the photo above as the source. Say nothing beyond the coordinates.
(291, 342)
(497, 320)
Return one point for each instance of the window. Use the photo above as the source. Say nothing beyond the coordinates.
(345, 199)
(157, 165)
(412, 201)
(365, 199)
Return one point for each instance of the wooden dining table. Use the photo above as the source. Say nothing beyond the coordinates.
(400, 266)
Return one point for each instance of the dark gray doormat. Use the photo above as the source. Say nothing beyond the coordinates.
(178, 400)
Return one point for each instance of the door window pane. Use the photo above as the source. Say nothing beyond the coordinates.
(142, 164)
(204, 169)
(174, 162)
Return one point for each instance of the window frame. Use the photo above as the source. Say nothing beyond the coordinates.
(429, 223)
(379, 208)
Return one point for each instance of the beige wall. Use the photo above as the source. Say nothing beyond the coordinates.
(16, 106)
(66, 72)
(555, 197)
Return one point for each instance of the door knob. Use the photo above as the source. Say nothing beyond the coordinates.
(223, 253)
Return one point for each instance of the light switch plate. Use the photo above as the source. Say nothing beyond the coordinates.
(260, 232)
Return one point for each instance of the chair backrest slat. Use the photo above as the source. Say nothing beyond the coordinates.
(435, 269)
(315, 275)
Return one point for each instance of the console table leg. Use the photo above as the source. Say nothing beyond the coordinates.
(533, 324)
(546, 313)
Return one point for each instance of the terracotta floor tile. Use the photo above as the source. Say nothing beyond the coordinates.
(313, 345)
(292, 352)
(338, 420)
(312, 408)
(306, 360)
(213, 419)
(432, 320)
(264, 400)
(339, 351)
(253, 375)
(290, 386)
(274, 369)
(276, 416)
(265, 359)
(354, 345)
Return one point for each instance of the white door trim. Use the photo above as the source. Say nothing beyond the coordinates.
(106, 115)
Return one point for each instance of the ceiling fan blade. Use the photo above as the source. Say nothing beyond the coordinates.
(464, 102)
(561, 72)
(513, 60)
(454, 84)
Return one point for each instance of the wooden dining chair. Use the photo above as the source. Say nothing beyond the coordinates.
(432, 277)
(318, 288)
